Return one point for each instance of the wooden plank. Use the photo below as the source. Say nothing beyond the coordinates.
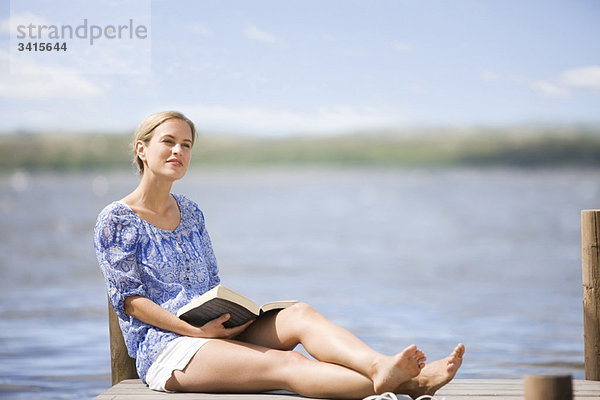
(121, 365)
(590, 267)
(459, 389)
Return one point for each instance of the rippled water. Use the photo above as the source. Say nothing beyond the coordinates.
(490, 258)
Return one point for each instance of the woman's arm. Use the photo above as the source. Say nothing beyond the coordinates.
(147, 311)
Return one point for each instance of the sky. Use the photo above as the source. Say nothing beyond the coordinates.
(304, 67)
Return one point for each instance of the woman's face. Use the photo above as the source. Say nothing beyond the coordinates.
(169, 151)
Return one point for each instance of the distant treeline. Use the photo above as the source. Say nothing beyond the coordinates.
(519, 147)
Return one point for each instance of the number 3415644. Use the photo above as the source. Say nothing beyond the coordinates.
(35, 46)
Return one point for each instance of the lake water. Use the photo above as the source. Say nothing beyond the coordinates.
(490, 258)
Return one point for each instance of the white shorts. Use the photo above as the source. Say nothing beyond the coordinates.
(175, 356)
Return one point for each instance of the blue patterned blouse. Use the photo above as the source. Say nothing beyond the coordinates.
(168, 267)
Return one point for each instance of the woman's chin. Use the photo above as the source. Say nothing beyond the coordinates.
(172, 174)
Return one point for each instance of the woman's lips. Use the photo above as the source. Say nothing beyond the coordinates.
(175, 162)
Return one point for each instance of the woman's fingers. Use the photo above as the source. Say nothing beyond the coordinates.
(219, 321)
(224, 318)
(216, 329)
(239, 329)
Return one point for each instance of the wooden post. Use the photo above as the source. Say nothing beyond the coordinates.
(590, 262)
(121, 365)
(540, 387)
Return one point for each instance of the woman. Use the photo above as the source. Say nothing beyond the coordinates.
(156, 255)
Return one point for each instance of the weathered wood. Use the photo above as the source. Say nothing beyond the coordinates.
(540, 387)
(458, 389)
(121, 365)
(590, 262)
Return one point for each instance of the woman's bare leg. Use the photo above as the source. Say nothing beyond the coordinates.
(331, 343)
(233, 366)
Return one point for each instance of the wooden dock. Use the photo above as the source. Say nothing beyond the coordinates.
(459, 389)
(125, 388)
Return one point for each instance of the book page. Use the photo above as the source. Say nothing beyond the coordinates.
(277, 305)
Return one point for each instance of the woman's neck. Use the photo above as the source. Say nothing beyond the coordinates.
(151, 194)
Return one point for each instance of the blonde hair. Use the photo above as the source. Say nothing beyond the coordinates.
(145, 131)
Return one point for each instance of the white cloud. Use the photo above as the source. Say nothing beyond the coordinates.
(274, 121)
(37, 82)
(403, 47)
(254, 33)
(584, 77)
(545, 88)
(548, 88)
(9, 25)
(564, 83)
(489, 76)
(200, 29)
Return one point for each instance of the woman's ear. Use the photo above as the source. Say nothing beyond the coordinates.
(140, 149)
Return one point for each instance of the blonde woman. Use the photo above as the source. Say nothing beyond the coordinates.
(156, 255)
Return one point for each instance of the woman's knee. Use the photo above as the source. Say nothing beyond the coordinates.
(283, 368)
(301, 312)
(292, 360)
(294, 322)
(298, 317)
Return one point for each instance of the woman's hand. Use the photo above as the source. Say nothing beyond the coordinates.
(151, 313)
(216, 329)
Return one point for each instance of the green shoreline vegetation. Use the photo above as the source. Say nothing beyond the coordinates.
(535, 146)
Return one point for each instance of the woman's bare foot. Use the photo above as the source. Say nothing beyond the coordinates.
(434, 375)
(391, 371)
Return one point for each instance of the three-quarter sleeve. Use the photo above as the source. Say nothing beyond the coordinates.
(209, 254)
(116, 240)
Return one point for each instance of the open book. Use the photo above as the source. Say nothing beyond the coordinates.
(221, 300)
